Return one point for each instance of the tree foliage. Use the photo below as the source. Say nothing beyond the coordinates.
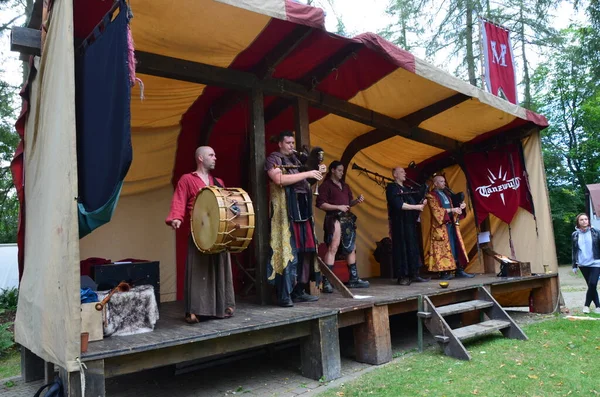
(12, 12)
(568, 93)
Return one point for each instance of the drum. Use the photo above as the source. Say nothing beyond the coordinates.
(222, 220)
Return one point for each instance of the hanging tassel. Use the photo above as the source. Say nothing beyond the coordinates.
(131, 57)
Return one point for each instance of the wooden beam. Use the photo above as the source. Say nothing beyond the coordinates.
(372, 340)
(320, 351)
(545, 298)
(26, 41)
(301, 123)
(130, 363)
(334, 280)
(199, 73)
(412, 120)
(314, 77)
(263, 70)
(258, 183)
(94, 380)
(32, 367)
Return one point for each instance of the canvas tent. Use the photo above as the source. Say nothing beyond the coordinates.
(367, 101)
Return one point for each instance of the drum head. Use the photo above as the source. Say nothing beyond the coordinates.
(206, 219)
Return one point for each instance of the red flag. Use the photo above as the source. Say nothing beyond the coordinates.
(498, 61)
(498, 181)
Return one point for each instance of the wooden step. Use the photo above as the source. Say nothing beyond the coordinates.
(463, 307)
(476, 330)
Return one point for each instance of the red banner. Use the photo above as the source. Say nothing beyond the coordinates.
(498, 181)
(498, 61)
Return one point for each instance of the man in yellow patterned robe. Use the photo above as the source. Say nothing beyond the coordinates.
(447, 251)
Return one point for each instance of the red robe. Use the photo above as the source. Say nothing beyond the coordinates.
(185, 194)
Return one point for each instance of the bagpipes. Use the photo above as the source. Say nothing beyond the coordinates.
(311, 160)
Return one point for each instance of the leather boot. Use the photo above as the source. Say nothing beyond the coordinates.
(460, 273)
(327, 287)
(446, 276)
(354, 281)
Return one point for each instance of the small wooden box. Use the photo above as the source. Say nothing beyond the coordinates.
(91, 321)
(519, 269)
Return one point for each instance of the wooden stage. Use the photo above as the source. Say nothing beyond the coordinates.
(314, 324)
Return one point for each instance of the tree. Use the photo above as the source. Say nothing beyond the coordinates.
(568, 93)
(9, 205)
(13, 11)
(405, 30)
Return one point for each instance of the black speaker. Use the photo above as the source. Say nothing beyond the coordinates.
(137, 273)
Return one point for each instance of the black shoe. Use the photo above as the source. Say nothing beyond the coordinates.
(446, 276)
(404, 281)
(355, 281)
(327, 287)
(460, 273)
(286, 303)
(302, 296)
(358, 283)
(419, 279)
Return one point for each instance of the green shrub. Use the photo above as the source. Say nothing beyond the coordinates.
(9, 298)
(6, 338)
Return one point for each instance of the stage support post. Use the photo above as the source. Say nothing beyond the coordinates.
(32, 367)
(545, 298)
(372, 339)
(320, 351)
(258, 182)
(94, 380)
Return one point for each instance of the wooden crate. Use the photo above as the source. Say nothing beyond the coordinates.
(91, 321)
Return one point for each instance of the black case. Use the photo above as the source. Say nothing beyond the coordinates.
(137, 273)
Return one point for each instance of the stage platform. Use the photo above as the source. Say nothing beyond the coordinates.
(315, 325)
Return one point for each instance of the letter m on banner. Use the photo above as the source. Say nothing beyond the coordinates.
(498, 61)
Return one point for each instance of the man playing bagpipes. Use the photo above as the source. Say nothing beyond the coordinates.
(292, 262)
(339, 227)
(447, 251)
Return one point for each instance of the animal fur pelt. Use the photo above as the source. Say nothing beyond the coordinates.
(132, 312)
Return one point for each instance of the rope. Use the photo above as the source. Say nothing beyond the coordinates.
(82, 366)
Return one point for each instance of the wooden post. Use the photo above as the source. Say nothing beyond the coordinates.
(258, 182)
(372, 340)
(302, 135)
(48, 372)
(420, 324)
(32, 367)
(301, 123)
(545, 298)
(94, 380)
(320, 352)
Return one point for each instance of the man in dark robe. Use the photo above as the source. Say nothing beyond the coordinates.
(208, 285)
(339, 227)
(293, 262)
(403, 213)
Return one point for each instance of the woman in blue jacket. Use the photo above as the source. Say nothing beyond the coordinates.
(586, 256)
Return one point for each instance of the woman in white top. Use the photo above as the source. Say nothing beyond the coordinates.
(586, 256)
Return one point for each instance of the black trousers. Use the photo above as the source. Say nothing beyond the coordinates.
(591, 275)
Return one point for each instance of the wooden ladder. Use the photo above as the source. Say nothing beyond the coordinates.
(493, 318)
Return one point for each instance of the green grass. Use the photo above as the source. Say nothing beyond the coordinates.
(10, 364)
(561, 358)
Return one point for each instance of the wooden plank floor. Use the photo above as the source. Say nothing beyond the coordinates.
(171, 330)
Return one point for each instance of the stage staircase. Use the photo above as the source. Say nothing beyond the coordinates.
(492, 318)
